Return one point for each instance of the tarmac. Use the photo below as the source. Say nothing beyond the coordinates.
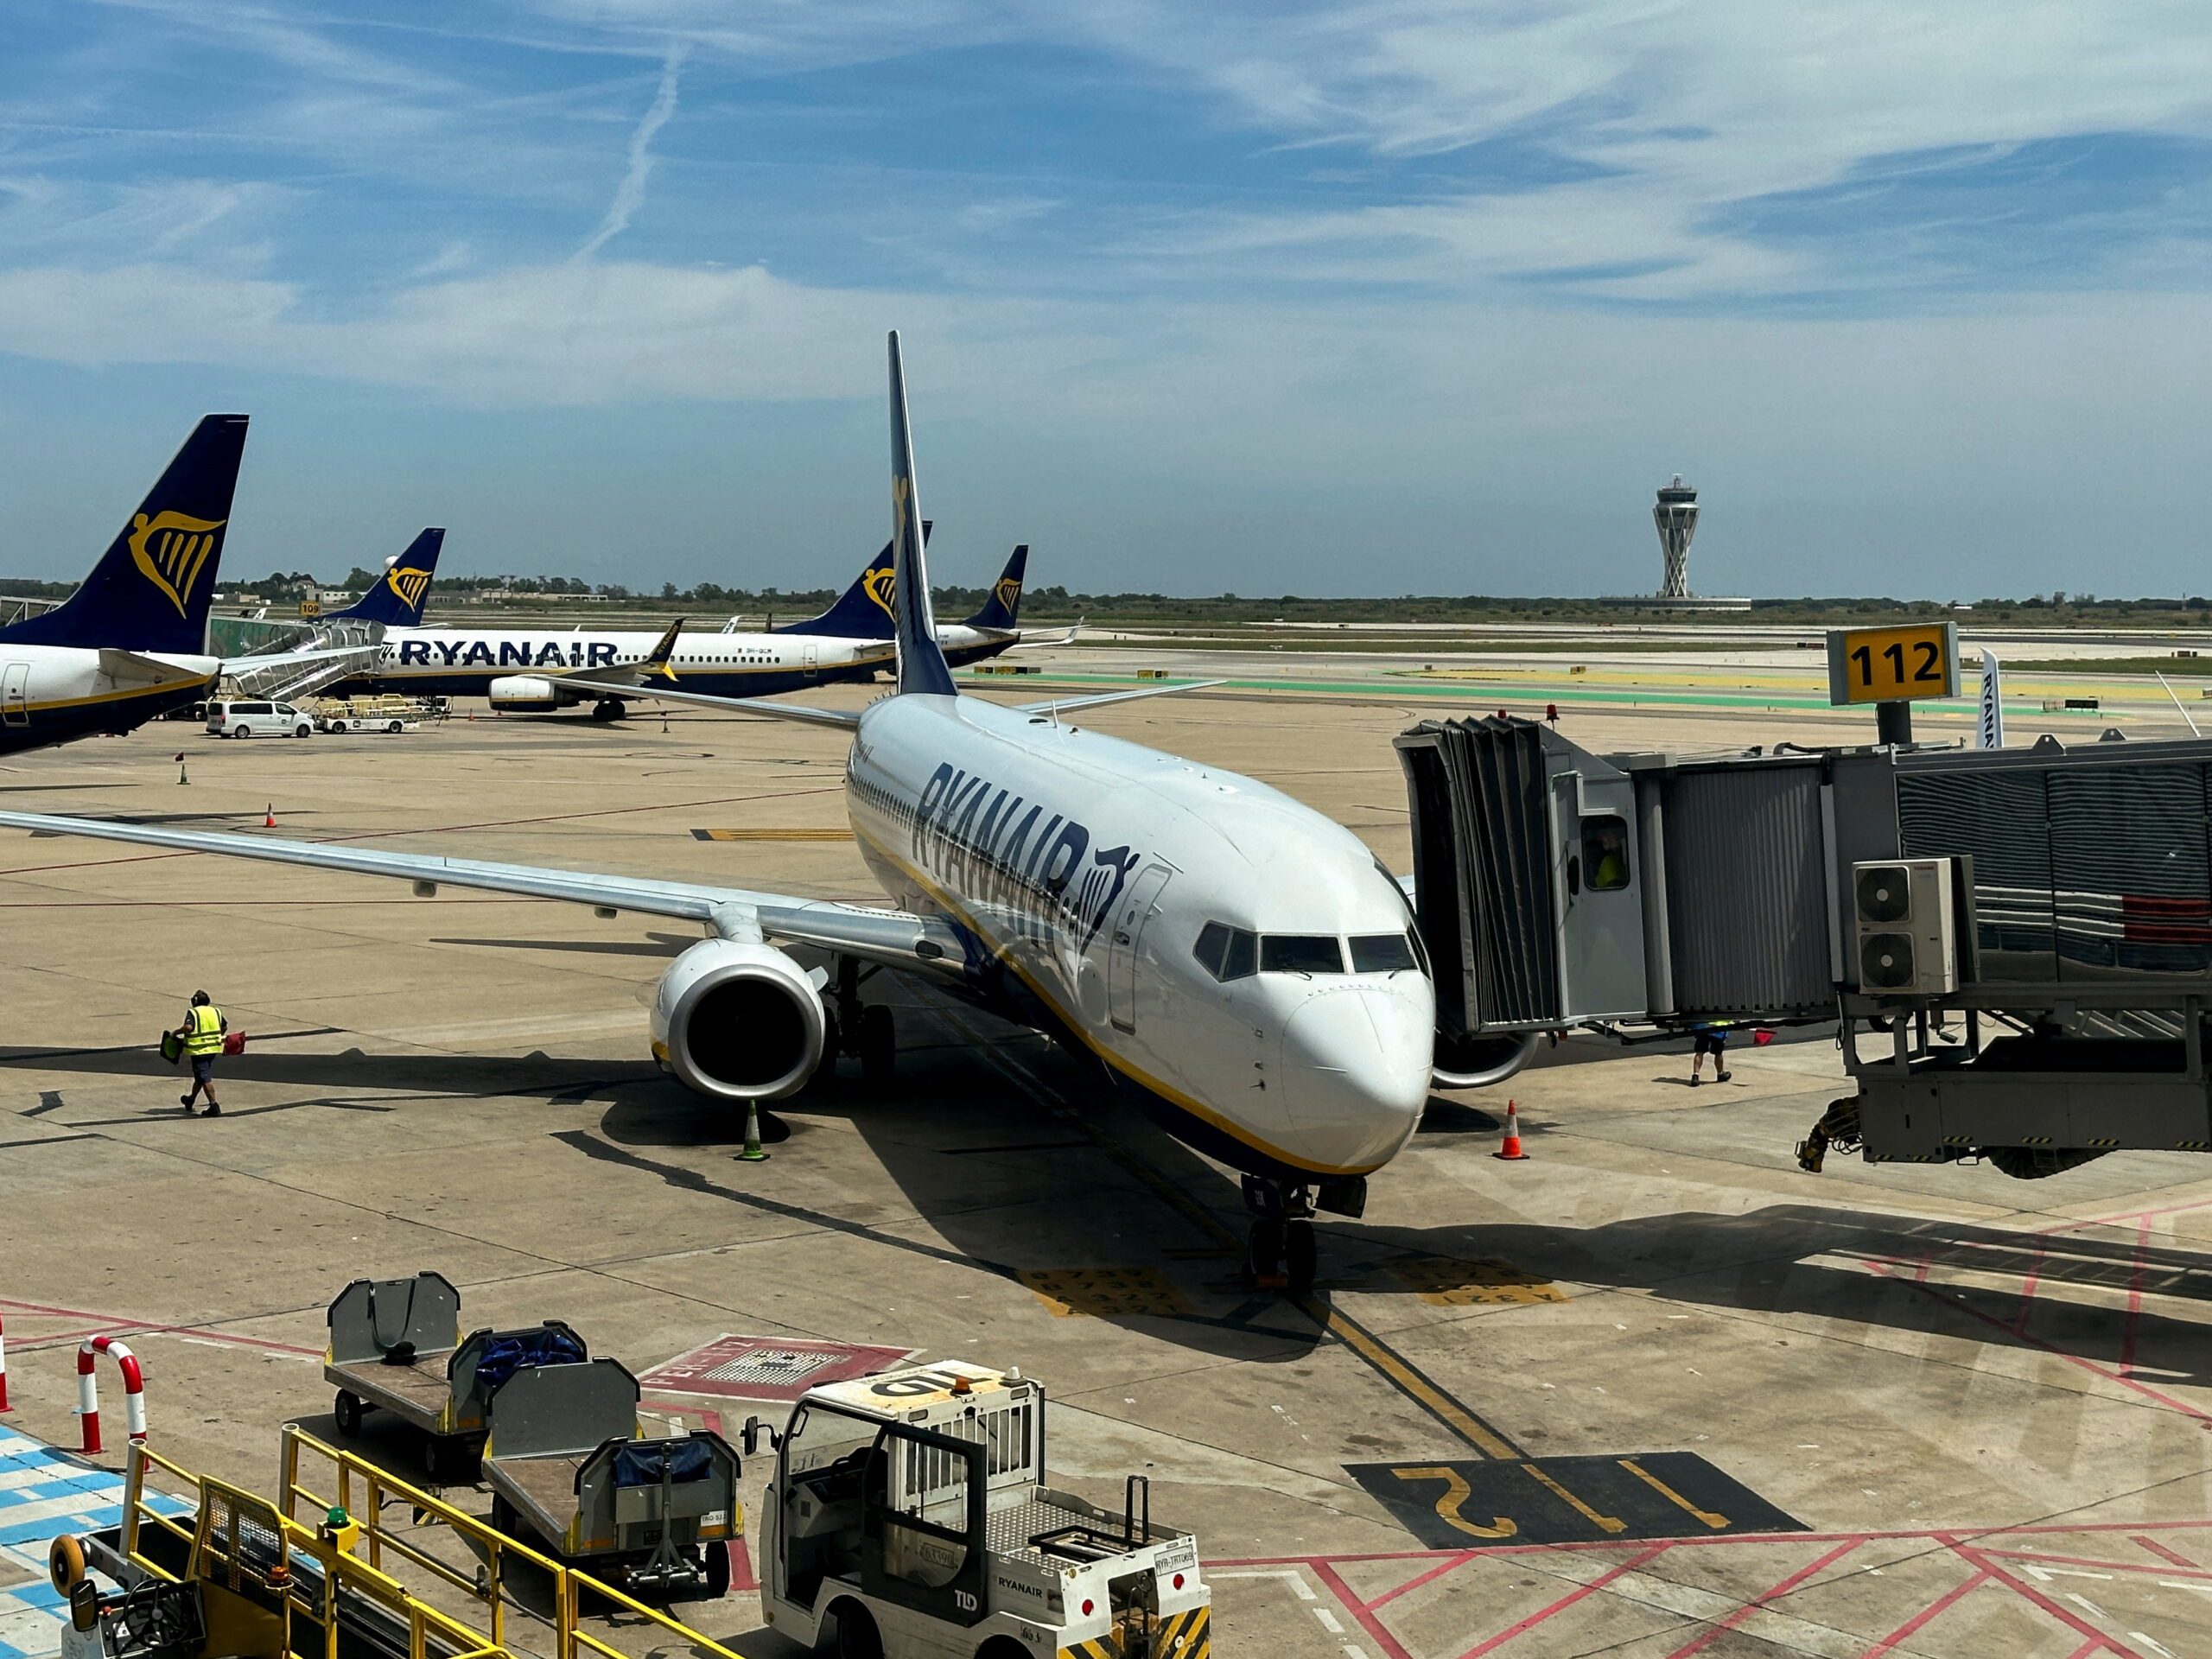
(1654, 1391)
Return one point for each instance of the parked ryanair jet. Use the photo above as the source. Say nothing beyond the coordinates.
(538, 671)
(1241, 964)
(396, 599)
(131, 644)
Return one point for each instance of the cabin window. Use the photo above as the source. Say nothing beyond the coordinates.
(1302, 953)
(1381, 953)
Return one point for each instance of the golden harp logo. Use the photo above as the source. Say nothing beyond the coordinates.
(1009, 591)
(409, 583)
(877, 585)
(170, 550)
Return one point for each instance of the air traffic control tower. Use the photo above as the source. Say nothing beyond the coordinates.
(1675, 515)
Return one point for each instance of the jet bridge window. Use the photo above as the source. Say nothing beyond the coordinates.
(1225, 952)
(1604, 854)
(1302, 953)
(1382, 953)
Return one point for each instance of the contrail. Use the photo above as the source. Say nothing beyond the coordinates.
(630, 194)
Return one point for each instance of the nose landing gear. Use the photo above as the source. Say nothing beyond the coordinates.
(1280, 1251)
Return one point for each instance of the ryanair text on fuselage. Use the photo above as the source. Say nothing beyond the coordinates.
(567, 652)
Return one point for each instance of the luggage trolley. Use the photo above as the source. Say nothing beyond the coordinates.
(564, 1464)
(395, 1345)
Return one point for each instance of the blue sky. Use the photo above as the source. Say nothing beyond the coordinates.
(1395, 297)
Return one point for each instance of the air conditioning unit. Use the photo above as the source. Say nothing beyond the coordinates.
(1908, 943)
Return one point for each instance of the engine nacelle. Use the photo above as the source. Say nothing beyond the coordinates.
(525, 694)
(738, 1021)
(1469, 1062)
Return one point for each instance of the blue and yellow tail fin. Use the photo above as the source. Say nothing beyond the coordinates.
(1001, 612)
(863, 610)
(922, 669)
(397, 598)
(152, 589)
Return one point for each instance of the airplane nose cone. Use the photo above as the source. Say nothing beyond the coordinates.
(1356, 1071)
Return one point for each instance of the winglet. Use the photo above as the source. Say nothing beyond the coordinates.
(397, 598)
(921, 660)
(657, 661)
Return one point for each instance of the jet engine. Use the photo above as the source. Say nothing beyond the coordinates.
(1463, 1061)
(524, 694)
(738, 1021)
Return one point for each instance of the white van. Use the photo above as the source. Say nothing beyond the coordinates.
(258, 720)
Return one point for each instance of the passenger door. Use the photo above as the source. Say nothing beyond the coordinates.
(15, 695)
(811, 660)
(1125, 933)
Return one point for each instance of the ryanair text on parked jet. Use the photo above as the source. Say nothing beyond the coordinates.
(537, 670)
(1241, 963)
(131, 642)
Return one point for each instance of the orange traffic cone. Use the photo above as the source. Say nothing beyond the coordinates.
(269, 818)
(1511, 1150)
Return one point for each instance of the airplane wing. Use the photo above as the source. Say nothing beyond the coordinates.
(1100, 699)
(1037, 640)
(898, 938)
(843, 719)
(614, 677)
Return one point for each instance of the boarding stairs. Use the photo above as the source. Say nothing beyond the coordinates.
(343, 650)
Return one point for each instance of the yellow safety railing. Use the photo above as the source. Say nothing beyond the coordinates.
(228, 1525)
(364, 1492)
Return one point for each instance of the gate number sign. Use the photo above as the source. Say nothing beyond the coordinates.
(1893, 664)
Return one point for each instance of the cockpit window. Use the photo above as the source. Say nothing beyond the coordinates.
(1224, 951)
(1381, 953)
(1302, 953)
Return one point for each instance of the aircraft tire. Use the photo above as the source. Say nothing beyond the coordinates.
(609, 709)
(878, 1044)
(1263, 1249)
(1300, 1256)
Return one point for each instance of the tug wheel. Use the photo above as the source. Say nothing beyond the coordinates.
(65, 1563)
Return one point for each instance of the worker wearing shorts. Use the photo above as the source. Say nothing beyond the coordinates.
(1713, 1041)
(203, 1030)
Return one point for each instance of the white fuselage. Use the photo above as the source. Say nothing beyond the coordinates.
(464, 661)
(1087, 868)
(50, 694)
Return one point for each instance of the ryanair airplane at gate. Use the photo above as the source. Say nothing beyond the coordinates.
(538, 671)
(1241, 963)
(131, 642)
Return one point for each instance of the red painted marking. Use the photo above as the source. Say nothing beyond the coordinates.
(111, 1324)
(812, 1364)
(2188, 1567)
(2158, 1548)
(1415, 1583)
(1359, 1609)
(1775, 1594)
(1563, 1602)
(741, 1566)
(2134, 1298)
(2089, 1647)
(2020, 1587)
(1941, 1605)
(2089, 1365)
(2028, 1289)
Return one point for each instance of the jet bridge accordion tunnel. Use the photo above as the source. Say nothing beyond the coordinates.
(2015, 945)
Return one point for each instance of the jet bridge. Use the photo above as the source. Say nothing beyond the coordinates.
(2016, 945)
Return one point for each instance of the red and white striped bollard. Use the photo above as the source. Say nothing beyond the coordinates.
(88, 1395)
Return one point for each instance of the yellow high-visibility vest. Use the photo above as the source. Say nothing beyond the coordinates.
(207, 1035)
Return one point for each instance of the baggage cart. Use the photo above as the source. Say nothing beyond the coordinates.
(567, 1471)
(395, 1346)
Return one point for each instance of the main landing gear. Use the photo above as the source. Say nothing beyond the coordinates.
(609, 709)
(865, 1031)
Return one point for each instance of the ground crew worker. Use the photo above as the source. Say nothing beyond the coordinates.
(1711, 1038)
(203, 1030)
